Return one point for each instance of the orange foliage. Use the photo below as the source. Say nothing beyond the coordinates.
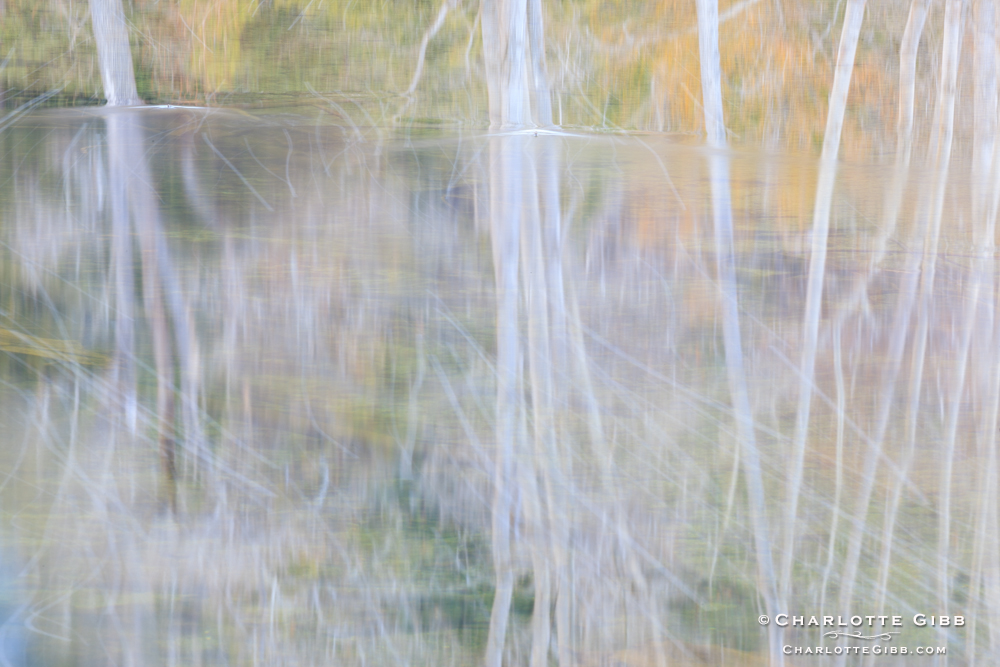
(776, 77)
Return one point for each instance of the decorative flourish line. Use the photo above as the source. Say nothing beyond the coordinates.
(885, 636)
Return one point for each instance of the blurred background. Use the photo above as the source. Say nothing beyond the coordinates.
(299, 364)
(612, 65)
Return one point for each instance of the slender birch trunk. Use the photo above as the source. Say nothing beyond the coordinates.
(988, 529)
(711, 82)
(984, 585)
(908, 77)
(508, 26)
(929, 219)
(982, 275)
(954, 18)
(540, 80)
(904, 124)
(838, 371)
(113, 53)
(983, 575)
(422, 53)
(505, 36)
(985, 122)
(817, 267)
(904, 150)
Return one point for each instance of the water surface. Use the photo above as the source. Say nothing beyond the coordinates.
(249, 368)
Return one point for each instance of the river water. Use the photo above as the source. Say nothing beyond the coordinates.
(250, 364)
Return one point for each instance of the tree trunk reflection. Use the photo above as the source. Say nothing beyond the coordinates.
(134, 199)
(481, 397)
(708, 42)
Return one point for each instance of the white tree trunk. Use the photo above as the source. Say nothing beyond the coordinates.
(509, 28)
(113, 52)
(711, 72)
(985, 577)
(540, 81)
(953, 28)
(928, 226)
(985, 100)
(908, 75)
(711, 85)
(904, 149)
(817, 266)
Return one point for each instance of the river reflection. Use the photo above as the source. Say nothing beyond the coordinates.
(280, 390)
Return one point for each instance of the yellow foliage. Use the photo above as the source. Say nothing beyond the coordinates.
(47, 348)
(630, 64)
(217, 26)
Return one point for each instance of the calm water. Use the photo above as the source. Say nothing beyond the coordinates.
(250, 364)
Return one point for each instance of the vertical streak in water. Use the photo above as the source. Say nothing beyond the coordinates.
(982, 575)
(708, 42)
(547, 152)
(722, 214)
(951, 48)
(927, 231)
(985, 574)
(904, 149)
(127, 181)
(123, 372)
(853, 18)
(505, 229)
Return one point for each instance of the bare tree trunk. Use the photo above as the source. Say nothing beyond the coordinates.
(428, 36)
(507, 27)
(505, 42)
(817, 266)
(929, 220)
(984, 584)
(510, 27)
(954, 17)
(985, 102)
(540, 77)
(988, 528)
(904, 150)
(113, 52)
(492, 52)
(904, 124)
(979, 299)
(711, 72)
(711, 83)
(908, 76)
